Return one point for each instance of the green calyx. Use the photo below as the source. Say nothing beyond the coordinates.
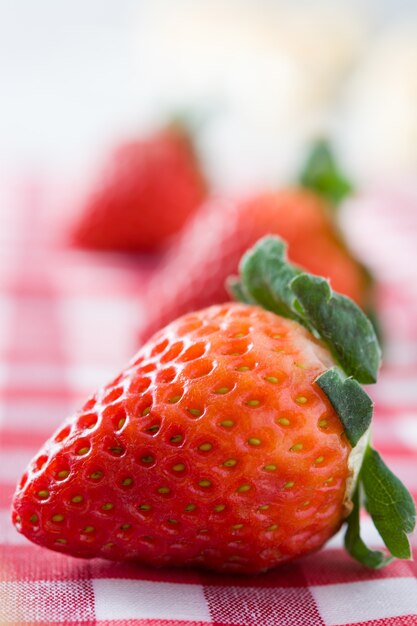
(267, 279)
(350, 401)
(322, 174)
(391, 508)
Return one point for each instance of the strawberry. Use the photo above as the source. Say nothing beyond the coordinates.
(150, 189)
(209, 248)
(232, 441)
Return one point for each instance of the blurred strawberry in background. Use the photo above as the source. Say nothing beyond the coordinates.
(209, 248)
(150, 188)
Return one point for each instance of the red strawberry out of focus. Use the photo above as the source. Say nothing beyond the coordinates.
(209, 248)
(147, 193)
(213, 448)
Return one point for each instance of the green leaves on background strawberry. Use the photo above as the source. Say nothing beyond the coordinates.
(266, 278)
(322, 174)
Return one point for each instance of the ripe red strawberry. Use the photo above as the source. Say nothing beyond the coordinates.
(150, 188)
(209, 248)
(227, 442)
(213, 447)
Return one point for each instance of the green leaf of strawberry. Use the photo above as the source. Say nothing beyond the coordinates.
(266, 278)
(322, 174)
(352, 403)
(341, 324)
(354, 544)
(389, 504)
(279, 286)
(237, 290)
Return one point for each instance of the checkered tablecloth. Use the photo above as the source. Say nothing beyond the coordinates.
(67, 323)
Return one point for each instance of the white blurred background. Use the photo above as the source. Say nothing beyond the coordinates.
(265, 76)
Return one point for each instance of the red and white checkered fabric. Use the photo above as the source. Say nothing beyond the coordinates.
(67, 323)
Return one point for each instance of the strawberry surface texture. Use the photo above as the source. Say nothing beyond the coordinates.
(210, 246)
(147, 192)
(236, 439)
(213, 448)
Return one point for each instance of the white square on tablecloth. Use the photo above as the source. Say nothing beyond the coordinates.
(46, 601)
(139, 599)
(350, 603)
